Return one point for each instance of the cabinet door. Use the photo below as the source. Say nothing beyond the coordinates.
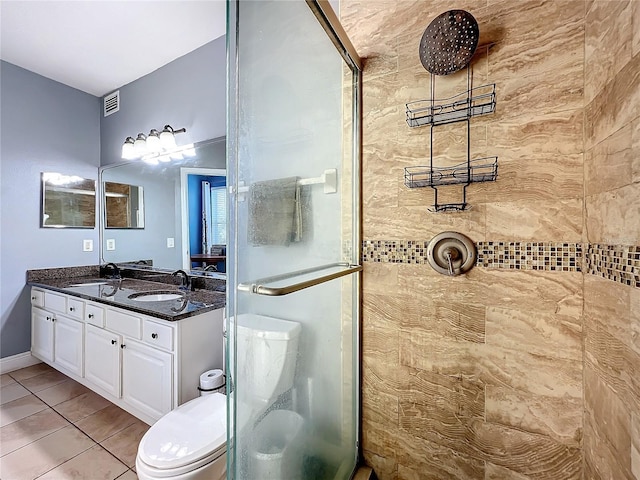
(42, 334)
(147, 378)
(68, 344)
(102, 359)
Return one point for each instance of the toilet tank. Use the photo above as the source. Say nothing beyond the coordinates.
(267, 351)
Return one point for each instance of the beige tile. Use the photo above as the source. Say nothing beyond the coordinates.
(6, 379)
(105, 423)
(612, 217)
(95, 463)
(82, 406)
(495, 472)
(385, 467)
(609, 164)
(62, 392)
(128, 475)
(559, 418)
(420, 459)
(21, 408)
(32, 371)
(29, 429)
(124, 444)
(12, 392)
(44, 454)
(635, 27)
(635, 444)
(607, 305)
(615, 106)
(635, 148)
(555, 221)
(44, 380)
(634, 318)
(539, 333)
(607, 39)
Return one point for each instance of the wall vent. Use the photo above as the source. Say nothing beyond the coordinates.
(111, 103)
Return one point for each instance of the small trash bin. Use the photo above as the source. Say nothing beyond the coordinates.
(276, 452)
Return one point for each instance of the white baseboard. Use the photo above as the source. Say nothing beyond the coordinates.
(16, 362)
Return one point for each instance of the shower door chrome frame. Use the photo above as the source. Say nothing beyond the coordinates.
(327, 18)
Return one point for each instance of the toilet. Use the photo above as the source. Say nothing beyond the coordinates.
(189, 443)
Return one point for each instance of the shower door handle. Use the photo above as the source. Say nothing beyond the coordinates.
(260, 286)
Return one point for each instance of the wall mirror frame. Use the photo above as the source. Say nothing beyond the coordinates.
(171, 233)
(123, 205)
(67, 201)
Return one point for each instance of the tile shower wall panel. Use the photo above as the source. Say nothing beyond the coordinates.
(612, 228)
(475, 377)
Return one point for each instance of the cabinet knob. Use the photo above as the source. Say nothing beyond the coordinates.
(122, 346)
(90, 315)
(154, 335)
(71, 309)
(113, 342)
(33, 298)
(48, 318)
(53, 319)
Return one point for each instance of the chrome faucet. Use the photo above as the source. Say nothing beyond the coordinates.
(185, 280)
(116, 270)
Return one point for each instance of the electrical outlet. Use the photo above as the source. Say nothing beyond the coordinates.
(170, 242)
(87, 245)
(111, 243)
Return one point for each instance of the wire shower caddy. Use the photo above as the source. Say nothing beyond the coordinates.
(459, 108)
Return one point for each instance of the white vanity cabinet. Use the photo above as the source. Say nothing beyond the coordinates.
(42, 334)
(145, 365)
(56, 337)
(102, 359)
(147, 375)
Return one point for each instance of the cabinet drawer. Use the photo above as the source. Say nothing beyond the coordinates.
(37, 298)
(94, 315)
(55, 302)
(158, 335)
(123, 323)
(75, 308)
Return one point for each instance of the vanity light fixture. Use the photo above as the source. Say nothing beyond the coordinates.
(157, 146)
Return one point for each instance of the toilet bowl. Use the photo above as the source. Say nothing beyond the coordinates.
(189, 443)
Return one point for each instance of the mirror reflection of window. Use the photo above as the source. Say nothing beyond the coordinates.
(68, 201)
(124, 205)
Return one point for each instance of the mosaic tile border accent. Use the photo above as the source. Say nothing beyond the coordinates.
(550, 256)
(619, 263)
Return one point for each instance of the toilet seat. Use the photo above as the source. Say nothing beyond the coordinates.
(192, 435)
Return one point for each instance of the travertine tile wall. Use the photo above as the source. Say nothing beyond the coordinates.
(612, 218)
(481, 376)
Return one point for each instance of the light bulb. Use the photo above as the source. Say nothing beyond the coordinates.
(128, 151)
(167, 139)
(140, 145)
(153, 141)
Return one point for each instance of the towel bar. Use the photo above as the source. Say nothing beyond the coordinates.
(329, 179)
(259, 287)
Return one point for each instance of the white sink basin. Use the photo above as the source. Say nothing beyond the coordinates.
(156, 297)
(88, 284)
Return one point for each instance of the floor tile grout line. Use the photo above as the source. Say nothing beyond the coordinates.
(67, 460)
(44, 436)
(84, 451)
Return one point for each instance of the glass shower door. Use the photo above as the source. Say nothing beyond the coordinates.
(294, 245)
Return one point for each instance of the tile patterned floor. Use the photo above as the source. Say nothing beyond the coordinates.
(53, 428)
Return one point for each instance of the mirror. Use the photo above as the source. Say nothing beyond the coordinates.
(168, 238)
(123, 205)
(68, 201)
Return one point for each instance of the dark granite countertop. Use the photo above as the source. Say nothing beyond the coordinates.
(117, 292)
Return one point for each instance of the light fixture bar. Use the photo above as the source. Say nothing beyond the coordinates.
(156, 144)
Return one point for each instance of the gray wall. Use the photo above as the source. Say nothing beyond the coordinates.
(45, 126)
(189, 92)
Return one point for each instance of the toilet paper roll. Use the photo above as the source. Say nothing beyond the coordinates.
(211, 379)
